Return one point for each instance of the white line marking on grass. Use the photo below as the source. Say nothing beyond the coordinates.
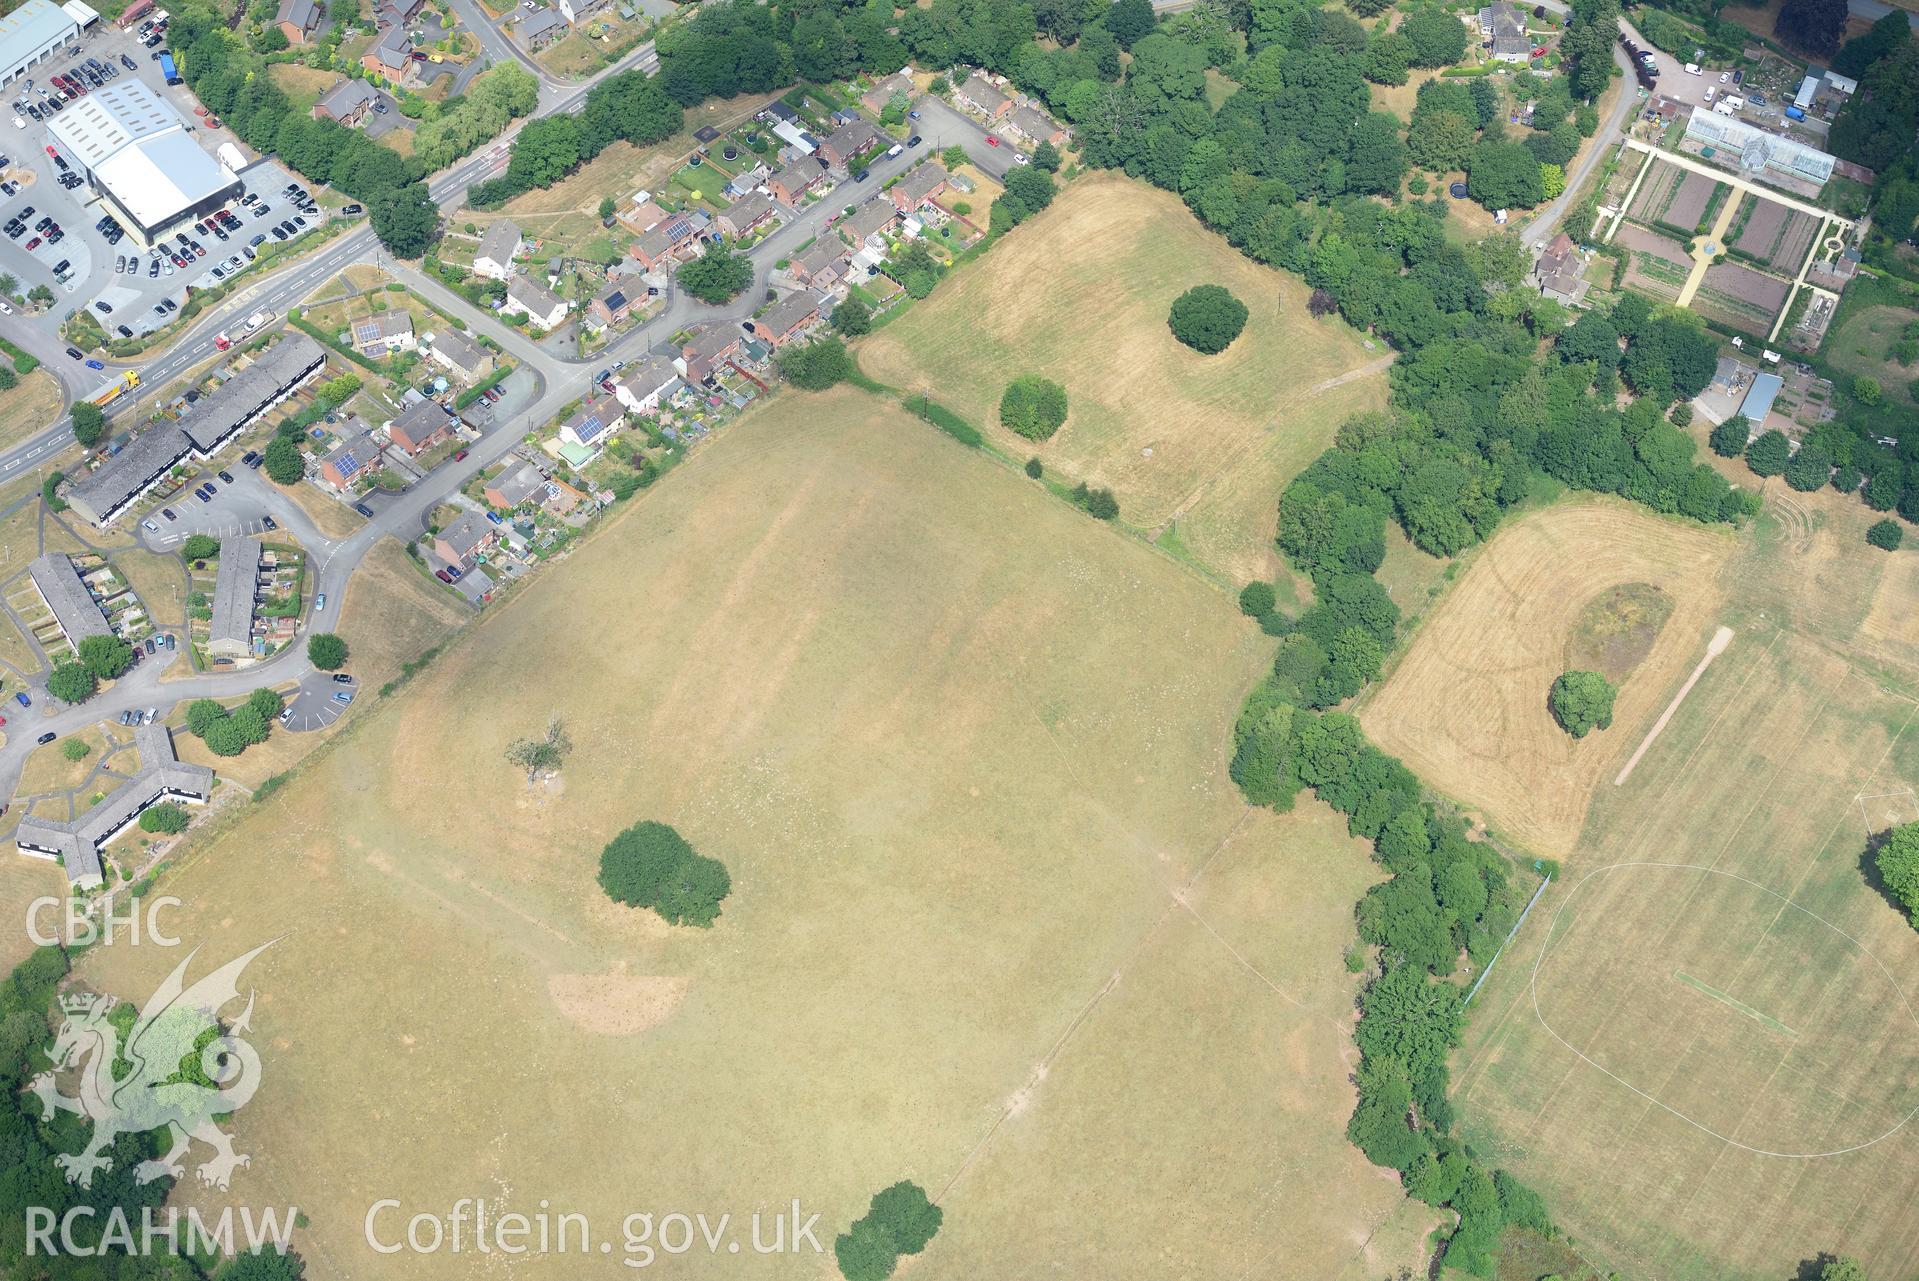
(1891, 811)
(1714, 648)
(1546, 951)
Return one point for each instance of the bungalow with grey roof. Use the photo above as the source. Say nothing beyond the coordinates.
(919, 186)
(822, 264)
(588, 427)
(1036, 127)
(542, 27)
(391, 56)
(863, 227)
(515, 485)
(707, 351)
(614, 303)
(357, 456)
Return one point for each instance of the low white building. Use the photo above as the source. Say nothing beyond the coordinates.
(542, 306)
(498, 248)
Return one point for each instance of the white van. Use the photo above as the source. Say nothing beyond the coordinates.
(1709, 96)
(1692, 69)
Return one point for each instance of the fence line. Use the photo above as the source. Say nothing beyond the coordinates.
(1487, 972)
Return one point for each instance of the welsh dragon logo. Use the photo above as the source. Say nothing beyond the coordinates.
(178, 1069)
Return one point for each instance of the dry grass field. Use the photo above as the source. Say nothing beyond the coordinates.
(1702, 1046)
(28, 408)
(1081, 296)
(1466, 706)
(962, 750)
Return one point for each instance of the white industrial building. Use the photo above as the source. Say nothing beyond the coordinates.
(37, 31)
(134, 149)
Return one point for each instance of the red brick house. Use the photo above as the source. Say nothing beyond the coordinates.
(420, 428)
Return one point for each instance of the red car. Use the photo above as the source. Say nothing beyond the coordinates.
(51, 151)
(443, 576)
(991, 141)
(34, 243)
(459, 456)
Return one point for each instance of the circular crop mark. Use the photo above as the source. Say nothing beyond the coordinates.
(1730, 1007)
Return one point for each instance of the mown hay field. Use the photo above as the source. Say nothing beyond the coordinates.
(1080, 295)
(1466, 705)
(1000, 923)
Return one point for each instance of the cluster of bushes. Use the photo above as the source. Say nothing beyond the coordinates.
(899, 1220)
(651, 865)
(820, 364)
(229, 733)
(631, 106)
(97, 658)
(1878, 126)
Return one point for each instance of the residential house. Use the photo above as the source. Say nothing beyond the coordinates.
(796, 140)
(746, 215)
(467, 537)
(542, 306)
(822, 264)
(920, 186)
(577, 11)
(1557, 273)
(790, 317)
(420, 427)
(653, 250)
(643, 215)
(499, 246)
(794, 181)
(391, 56)
(848, 141)
(755, 173)
(864, 227)
(644, 387)
(396, 13)
(514, 485)
(881, 95)
(613, 304)
(1502, 28)
(709, 351)
(542, 27)
(588, 428)
(77, 842)
(357, 456)
(676, 238)
(460, 355)
(384, 332)
(298, 20)
(979, 94)
(1035, 126)
(346, 102)
(778, 113)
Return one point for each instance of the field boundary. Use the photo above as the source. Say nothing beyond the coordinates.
(1546, 948)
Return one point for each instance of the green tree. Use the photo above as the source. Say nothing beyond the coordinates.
(1256, 599)
(326, 651)
(166, 818)
(1813, 25)
(71, 683)
(1128, 20)
(1207, 318)
(905, 1215)
(225, 738)
(864, 1253)
(853, 317)
(1897, 860)
(1867, 391)
(719, 275)
(1729, 438)
(1769, 453)
(1046, 157)
(1035, 468)
(1842, 1268)
(89, 424)
(1033, 406)
(266, 702)
(820, 364)
(200, 547)
(74, 749)
(651, 865)
(283, 463)
(105, 656)
(1438, 37)
(1581, 702)
(543, 755)
(953, 157)
(201, 714)
(607, 208)
(1887, 534)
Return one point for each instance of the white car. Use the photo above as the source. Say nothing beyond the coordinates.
(149, 526)
(18, 123)
(5, 310)
(1725, 76)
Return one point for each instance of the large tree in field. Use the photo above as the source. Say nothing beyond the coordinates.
(1898, 862)
(1581, 702)
(543, 755)
(1033, 406)
(651, 865)
(326, 651)
(1207, 318)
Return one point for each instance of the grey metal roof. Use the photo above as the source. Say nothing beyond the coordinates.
(73, 606)
(161, 774)
(235, 586)
(249, 393)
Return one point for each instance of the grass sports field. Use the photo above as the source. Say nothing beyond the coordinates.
(1081, 296)
(1702, 1047)
(1863, 345)
(1000, 922)
(1466, 706)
